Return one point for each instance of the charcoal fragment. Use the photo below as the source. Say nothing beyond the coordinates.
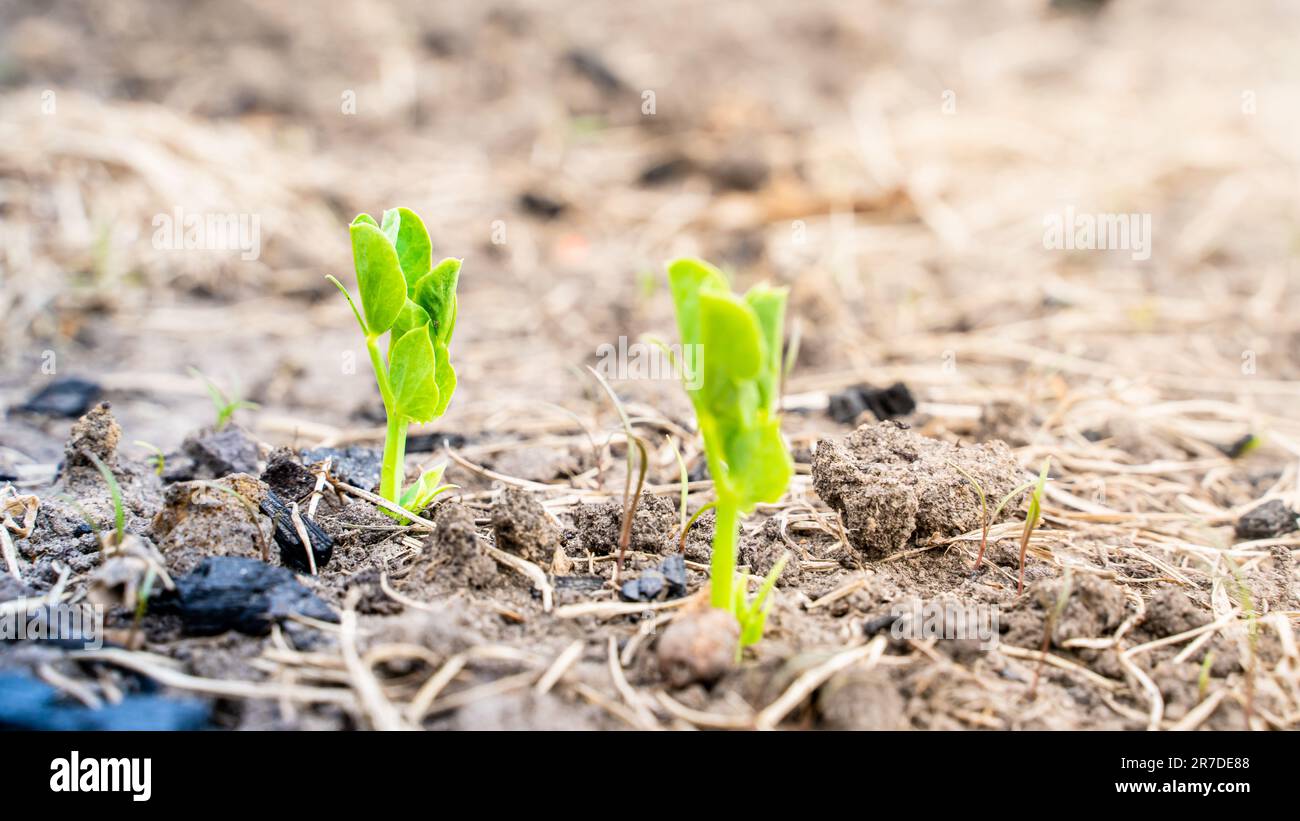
(293, 553)
(236, 593)
(884, 403)
(67, 397)
(26, 703)
(1267, 521)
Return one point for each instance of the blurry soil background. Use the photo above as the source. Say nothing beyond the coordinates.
(892, 163)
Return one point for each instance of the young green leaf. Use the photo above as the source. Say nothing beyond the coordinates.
(444, 375)
(414, 251)
(379, 276)
(436, 293)
(425, 489)
(411, 375)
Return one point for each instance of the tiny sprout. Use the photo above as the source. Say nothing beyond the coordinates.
(225, 404)
(404, 295)
(1032, 519)
(115, 491)
(158, 459)
(736, 399)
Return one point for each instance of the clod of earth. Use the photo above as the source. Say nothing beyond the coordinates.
(667, 581)
(212, 454)
(68, 396)
(884, 403)
(892, 485)
(201, 519)
(354, 465)
(1267, 521)
(522, 526)
(234, 593)
(31, 704)
(293, 553)
(654, 525)
(856, 699)
(98, 434)
(698, 646)
(457, 549)
(1093, 608)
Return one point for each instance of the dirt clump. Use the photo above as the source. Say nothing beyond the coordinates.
(457, 551)
(1170, 612)
(856, 699)
(211, 518)
(763, 548)
(212, 454)
(522, 526)
(95, 434)
(654, 526)
(1093, 608)
(892, 485)
(699, 646)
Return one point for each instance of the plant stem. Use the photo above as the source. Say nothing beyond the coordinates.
(394, 469)
(722, 570)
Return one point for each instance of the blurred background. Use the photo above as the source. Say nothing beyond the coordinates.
(892, 162)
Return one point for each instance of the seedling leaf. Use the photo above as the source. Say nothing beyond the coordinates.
(379, 277)
(411, 374)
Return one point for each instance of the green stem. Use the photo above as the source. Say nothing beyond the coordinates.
(722, 571)
(394, 469)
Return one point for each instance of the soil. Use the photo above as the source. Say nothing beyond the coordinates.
(809, 148)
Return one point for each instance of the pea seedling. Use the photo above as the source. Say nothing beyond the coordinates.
(736, 399)
(224, 403)
(404, 295)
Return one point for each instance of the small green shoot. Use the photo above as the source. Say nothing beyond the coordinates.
(404, 295)
(119, 509)
(225, 404)
(1203, 680)
(1246, 601)
(142, 602)
(985, 519)
(736, 399)
(752, 614)
(1032, 519)
(158, 459)
(686, 528)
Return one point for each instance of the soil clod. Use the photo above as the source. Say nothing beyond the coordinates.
(698, 647)
(654, 525)
(522, 526)
(457, 547)
(892, 485)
